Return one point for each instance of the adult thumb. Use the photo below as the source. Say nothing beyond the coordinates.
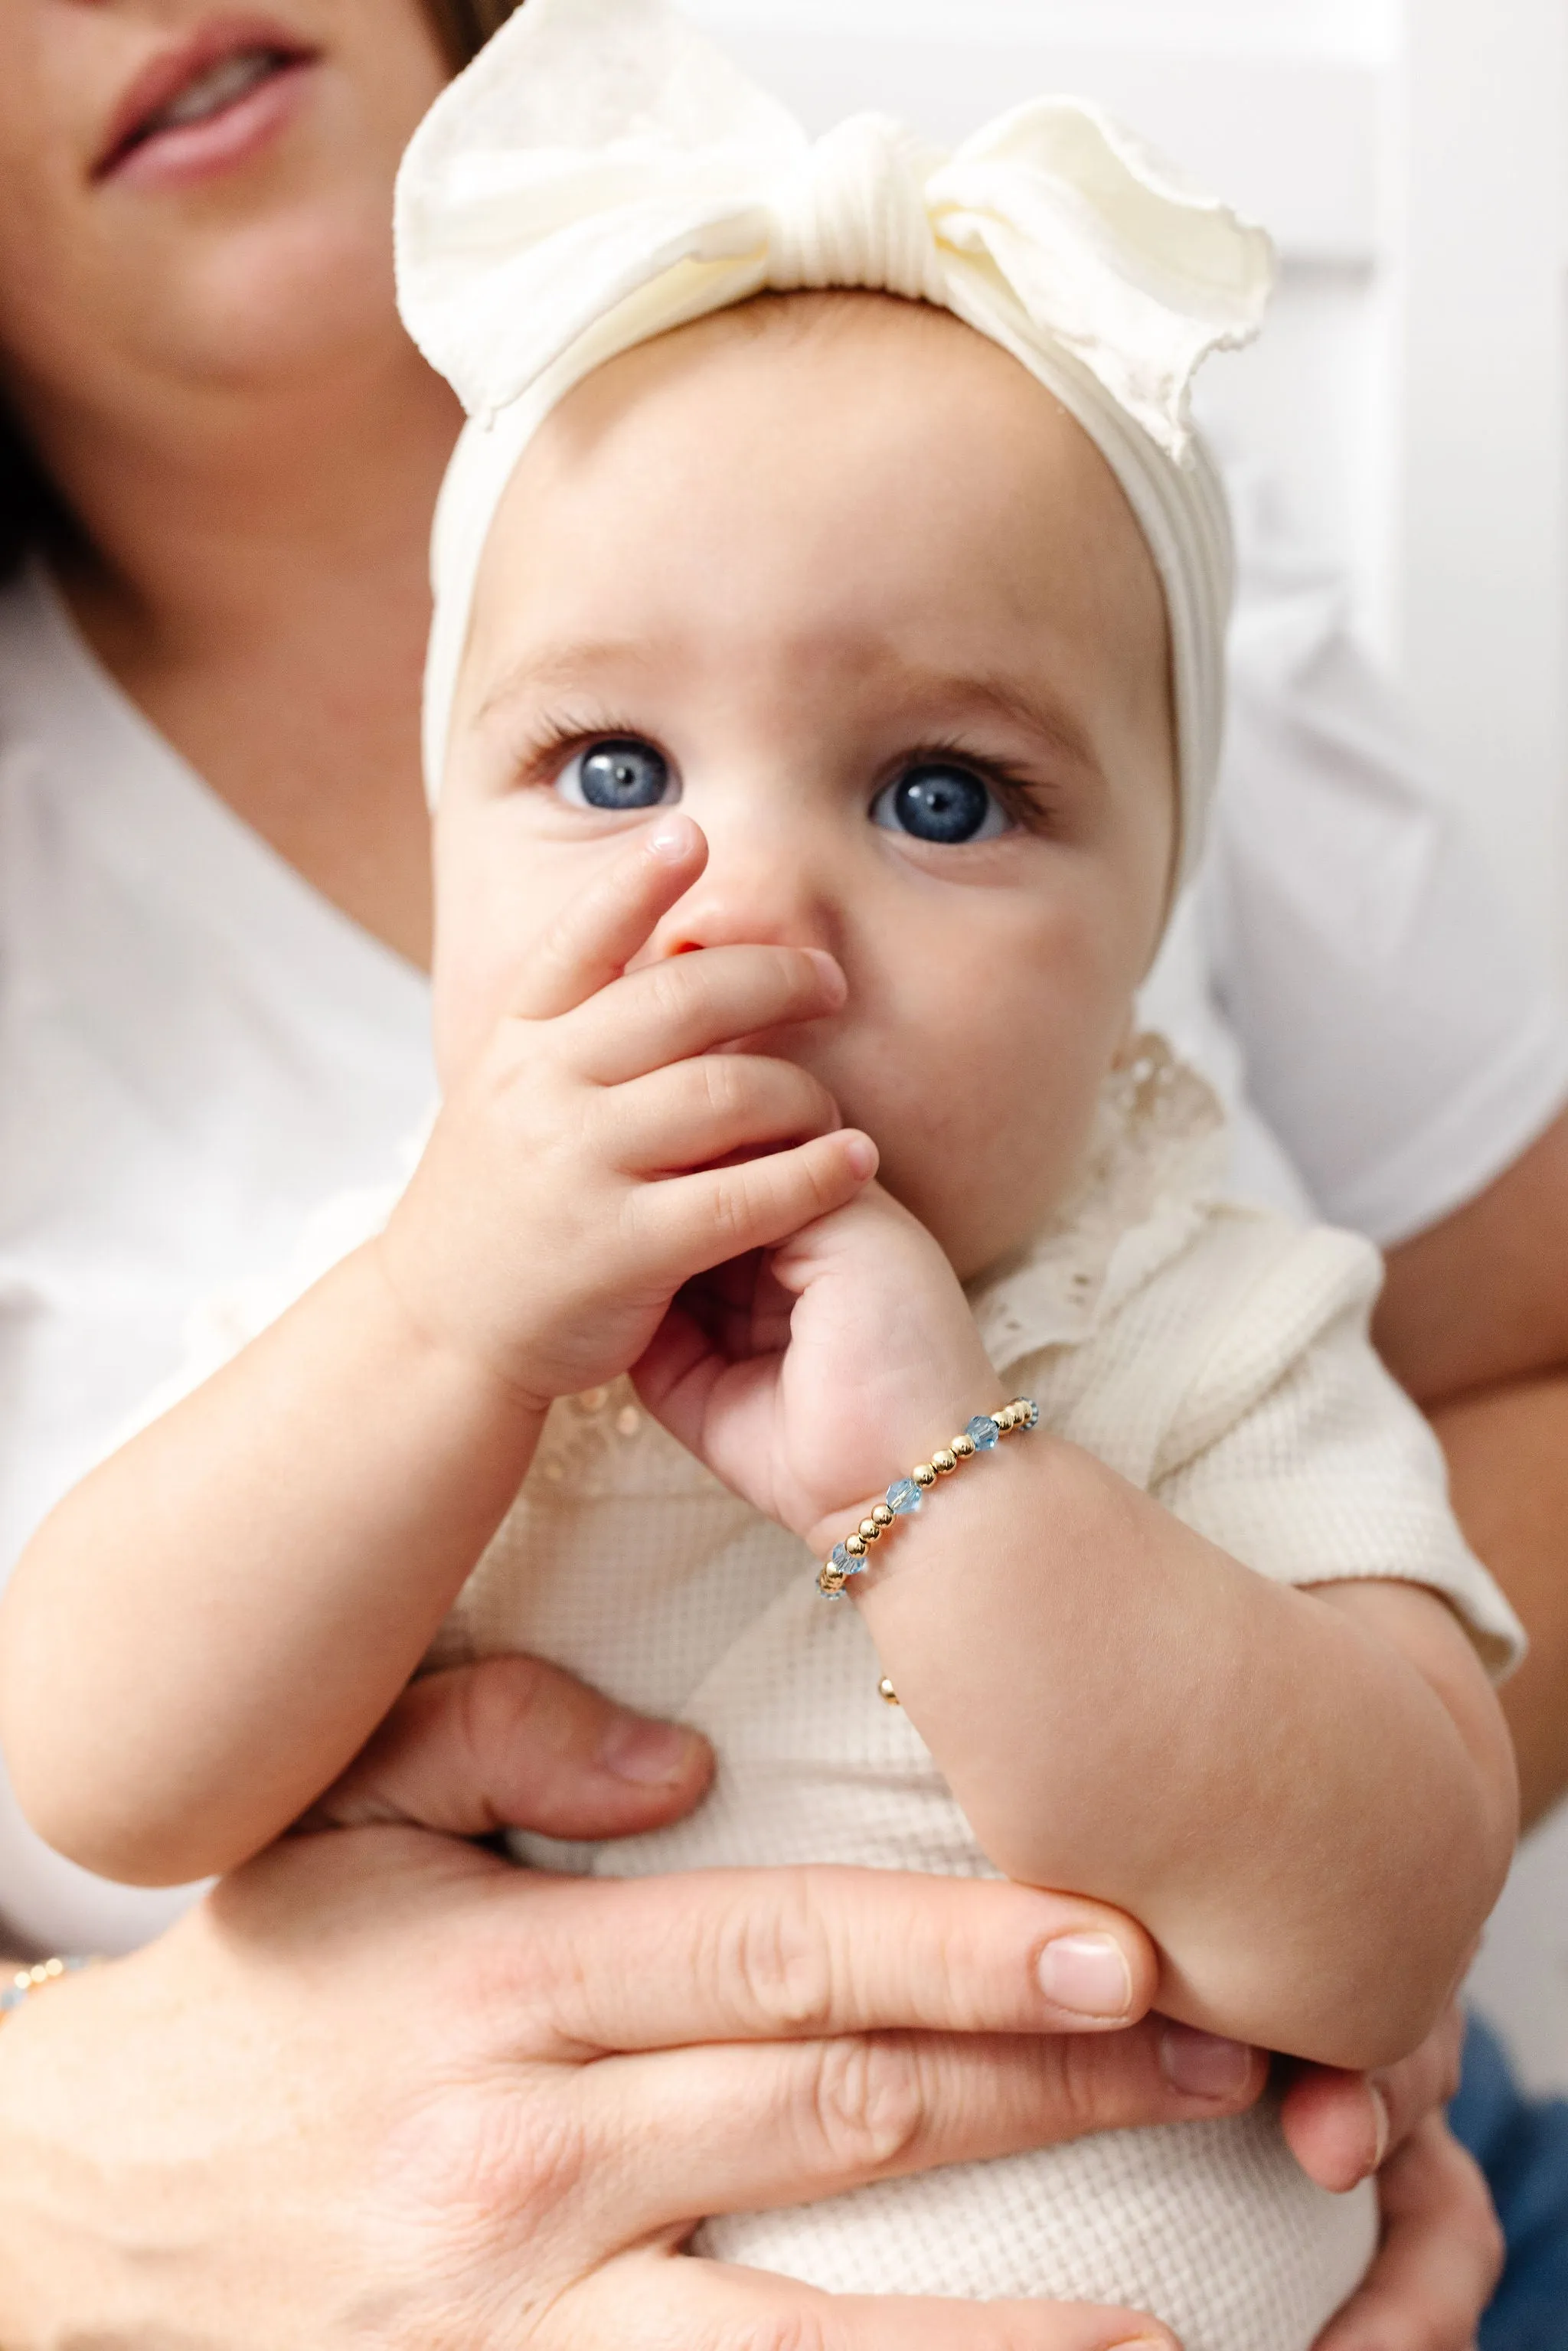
(513, 1742)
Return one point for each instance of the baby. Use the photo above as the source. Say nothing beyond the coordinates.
(823, 698)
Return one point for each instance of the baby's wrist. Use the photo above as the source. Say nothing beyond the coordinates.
(853, 1539)
(495, 1386)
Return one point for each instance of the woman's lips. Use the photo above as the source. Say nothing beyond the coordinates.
(205, 106)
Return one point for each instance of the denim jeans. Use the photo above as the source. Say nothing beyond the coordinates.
(1522, 2145)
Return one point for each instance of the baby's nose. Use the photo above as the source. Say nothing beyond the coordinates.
(753, 891)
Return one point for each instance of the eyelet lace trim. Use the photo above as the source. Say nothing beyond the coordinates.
(1156, 1156)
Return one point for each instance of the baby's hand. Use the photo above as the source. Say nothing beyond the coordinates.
(810, 1378)
(602, 1150)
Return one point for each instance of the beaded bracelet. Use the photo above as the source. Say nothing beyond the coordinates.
(28, 1980)
(905, 1495)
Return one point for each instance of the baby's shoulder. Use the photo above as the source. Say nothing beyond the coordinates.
(1194, 1335)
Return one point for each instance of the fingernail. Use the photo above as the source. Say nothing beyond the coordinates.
(672, 839)
(1381, 2126)
(861, 1153)
(1203, 2065)
(1087, 1974)
(831, 971)
(651, 1754)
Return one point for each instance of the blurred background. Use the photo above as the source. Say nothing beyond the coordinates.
(1410, 393)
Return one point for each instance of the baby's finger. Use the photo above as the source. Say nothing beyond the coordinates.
(685, 2304)
(594, 938)
(696, 1113)
(687, 1004)
(692, 1222)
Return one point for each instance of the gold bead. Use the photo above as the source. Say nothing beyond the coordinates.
(1005, 1418)
(832, 1579)
(886, 1692)
(855, 1546)
(943, 1462)
(961, 1448)
(923, 1474)
(882, 1515)
(870, 1530)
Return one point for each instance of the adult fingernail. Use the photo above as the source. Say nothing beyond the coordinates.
(1087, 1974)
(651, 1754)
(672, 839)
(1381, 2126)
(1203, 2065)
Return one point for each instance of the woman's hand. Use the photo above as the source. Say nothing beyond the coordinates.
(384, 2088)
(1442, 2249)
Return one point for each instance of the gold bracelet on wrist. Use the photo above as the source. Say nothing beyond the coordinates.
(905, 1495)
(26, 1981)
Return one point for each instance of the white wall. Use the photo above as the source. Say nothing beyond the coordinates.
(1411, 388)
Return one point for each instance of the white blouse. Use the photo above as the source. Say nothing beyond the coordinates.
(194, 1048)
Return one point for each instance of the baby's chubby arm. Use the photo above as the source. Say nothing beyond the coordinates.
(1307, 1796)
(209, 1628)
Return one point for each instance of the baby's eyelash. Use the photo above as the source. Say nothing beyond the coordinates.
(541, 755)
(1030, 797)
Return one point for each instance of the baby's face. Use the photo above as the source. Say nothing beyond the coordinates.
(855, 592)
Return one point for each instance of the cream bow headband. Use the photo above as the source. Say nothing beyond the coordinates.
(602, 173)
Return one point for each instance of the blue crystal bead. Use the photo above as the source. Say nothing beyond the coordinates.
(983, 1432)
(904, 1496)
(845, 1564)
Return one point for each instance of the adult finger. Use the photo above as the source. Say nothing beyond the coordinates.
(695, 2305)
(1440, 2259)
(809, 1953)
(697, 1111)
(751, 2127)
(1341, 2126)
(594, 938)
(513, 1742)
(687, 1004)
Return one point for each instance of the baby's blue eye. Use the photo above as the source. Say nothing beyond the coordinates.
(934, 802)
(620, 772)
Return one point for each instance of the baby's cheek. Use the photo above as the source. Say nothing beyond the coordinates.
(986, 1151)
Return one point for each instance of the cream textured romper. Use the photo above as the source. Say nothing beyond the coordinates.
(1214, 1355)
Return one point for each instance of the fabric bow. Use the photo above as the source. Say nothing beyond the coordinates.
(600, 149)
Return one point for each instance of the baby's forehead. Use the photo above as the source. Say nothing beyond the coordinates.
(882, 414)
(845, 499)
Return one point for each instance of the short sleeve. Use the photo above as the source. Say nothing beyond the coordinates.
(1294, 1451)
(1399, 1038)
